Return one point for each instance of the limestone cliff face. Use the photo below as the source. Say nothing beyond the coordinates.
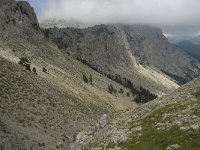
(150, 47)
(101, 46)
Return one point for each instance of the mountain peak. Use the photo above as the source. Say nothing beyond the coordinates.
(17, 13)
(27, 10)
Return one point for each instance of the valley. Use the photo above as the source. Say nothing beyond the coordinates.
(100, 87)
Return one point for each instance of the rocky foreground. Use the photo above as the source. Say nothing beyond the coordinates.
(171, 122)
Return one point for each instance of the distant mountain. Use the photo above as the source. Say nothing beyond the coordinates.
(177, 39)
(191, 47)
(196, 40)
(60, 23)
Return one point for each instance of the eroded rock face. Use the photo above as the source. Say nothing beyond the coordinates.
(6, 2)
(108, 47)
(16, 14)
(150, 46)
(27, 10)
(101, 46)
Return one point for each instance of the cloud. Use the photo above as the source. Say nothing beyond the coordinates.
(175, 16)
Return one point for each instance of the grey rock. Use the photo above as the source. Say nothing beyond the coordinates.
(119, 136)
(137, 129)
(84, 136)
(183, 128)
(97, 148)
(103, 120)
(173, 147)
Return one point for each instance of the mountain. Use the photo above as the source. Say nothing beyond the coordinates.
(132, 51)
(196, 40)
(191, 47)
(56, 83)
(151, 47)
(174, 39)
(60, 23)
(170, 122)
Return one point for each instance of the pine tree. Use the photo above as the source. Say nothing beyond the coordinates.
(90, 80)
(34, 70)
(85, 78)
(44, 69)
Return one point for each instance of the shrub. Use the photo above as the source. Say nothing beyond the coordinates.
(85, 79)
(121, 91)
(25, 62)
(28, 67)
(128, 94)
(110, 88)
(115, 91)
(34, 70)
(90, 79)
(44, 69)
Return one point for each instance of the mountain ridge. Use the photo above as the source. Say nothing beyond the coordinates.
(48, 98)
(146, 44)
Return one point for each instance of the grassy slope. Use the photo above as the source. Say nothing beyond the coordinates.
(157, 140)
(174, 119)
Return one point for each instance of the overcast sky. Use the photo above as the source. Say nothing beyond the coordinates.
(174, 16)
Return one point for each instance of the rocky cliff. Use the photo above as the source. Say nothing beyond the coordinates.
(150, 47)
(18, 13)
(140, 53)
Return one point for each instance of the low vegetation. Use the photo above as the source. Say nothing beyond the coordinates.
(44, 69)
(34, 70)
(85, 79)
(25, 62)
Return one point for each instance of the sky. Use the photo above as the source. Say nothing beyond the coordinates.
(37, 5)
(175, 17)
